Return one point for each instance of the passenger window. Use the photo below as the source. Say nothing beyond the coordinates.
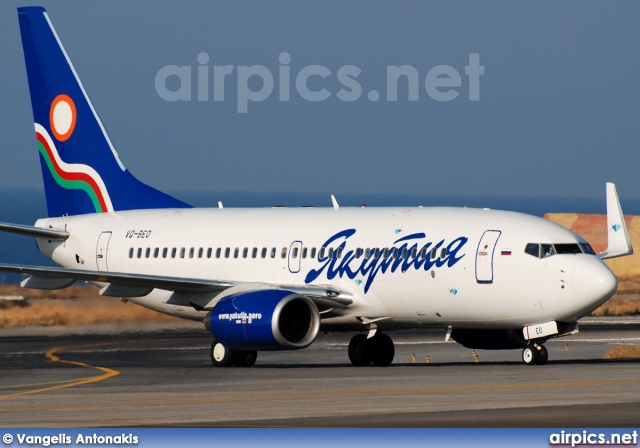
(321, 254)
(358, 252)
(547, 250)
(147, 252)
(254, 252)
(164, 252)
(191, 252)
(532, 249)
(245, 252)
(433, 253)
(414, 252)
(385, 253)
(173, 252)
(131, 252)
(273, 252)
(423, 252)
(330, 254)
(367, 253)
(236, 252)
(443, 252)
(404, 253)
(313, 253)
(156, 252)
(227, 252)
(376, 253)
(264, 252)
(394, 253)
(294, 252)
(284, 252)
(304, 252)
(209, 252)
(218, 252)
(139, 252)
(200, 252)
(182, 252)
(587, 249)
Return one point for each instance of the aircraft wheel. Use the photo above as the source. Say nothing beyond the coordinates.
(382, 350)
(530, 355)
(245, 358)
(359, 351)
(543, 356)
(221, 356)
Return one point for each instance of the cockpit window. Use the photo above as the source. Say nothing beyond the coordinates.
(587, 249)
(571, 248)
(547, 250)
(533, 249)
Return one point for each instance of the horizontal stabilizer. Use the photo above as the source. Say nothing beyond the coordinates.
(38, 232)
(618, 241)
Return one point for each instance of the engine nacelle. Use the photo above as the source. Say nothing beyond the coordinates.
(271, 319)
(489, 339)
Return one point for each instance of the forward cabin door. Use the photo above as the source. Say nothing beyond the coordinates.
(101, 251)
(484, 256)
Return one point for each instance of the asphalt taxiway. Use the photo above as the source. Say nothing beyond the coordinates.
(161, 376)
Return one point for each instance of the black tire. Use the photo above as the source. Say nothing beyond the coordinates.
(221, 356)
(245, 358)
(382, 350)
(530, 355)
(543, 356)
(359, 351)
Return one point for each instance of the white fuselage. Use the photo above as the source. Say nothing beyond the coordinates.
(467, 285)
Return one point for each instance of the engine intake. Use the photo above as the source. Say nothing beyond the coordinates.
(271, 319)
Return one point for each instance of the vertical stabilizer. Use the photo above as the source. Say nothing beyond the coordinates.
(81, 169)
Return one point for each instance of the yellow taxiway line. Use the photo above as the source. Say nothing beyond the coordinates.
(51, 355)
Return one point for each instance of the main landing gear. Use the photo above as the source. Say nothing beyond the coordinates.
(378, 350)
(535, 354)
(222, 356)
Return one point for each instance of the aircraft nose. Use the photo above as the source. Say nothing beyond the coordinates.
(593, 281)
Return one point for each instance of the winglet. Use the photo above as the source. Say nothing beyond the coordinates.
(618, 242)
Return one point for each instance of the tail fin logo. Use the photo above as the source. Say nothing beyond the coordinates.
(70, 175)
(62, 117)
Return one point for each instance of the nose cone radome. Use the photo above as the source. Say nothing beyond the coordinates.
(593, 281)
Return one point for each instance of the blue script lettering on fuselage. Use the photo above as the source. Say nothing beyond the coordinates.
(370, 267)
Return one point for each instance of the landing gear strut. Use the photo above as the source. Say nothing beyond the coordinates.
(535, 354)
(222, 356)
(378, 350)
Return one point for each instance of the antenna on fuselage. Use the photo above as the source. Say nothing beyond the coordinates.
(335, 203)
(220, 204)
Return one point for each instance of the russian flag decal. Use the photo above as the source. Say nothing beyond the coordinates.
(505, 252)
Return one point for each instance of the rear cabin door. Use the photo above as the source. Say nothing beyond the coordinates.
(101, 251)
(484, 256)
(295, 253)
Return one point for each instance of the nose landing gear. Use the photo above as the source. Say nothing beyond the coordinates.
(535, 354)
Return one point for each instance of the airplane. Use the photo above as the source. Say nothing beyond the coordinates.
(273, 278)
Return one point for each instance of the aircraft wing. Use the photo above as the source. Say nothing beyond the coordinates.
(121, 284)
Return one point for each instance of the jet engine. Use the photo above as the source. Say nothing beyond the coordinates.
(489, 339)
(265, 319)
